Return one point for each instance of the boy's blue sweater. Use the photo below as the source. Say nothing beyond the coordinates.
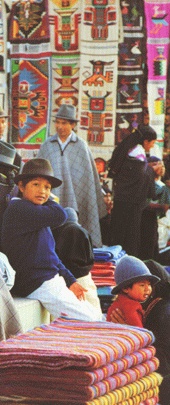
(29, 245)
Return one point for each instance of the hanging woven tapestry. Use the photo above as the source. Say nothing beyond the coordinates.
(29, 22)
(131, 58)
(30, 80)
(158, 33)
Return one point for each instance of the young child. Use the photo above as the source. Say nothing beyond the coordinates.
(28, 242)
(134, 285)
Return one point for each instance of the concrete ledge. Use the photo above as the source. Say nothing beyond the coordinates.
(31, 313)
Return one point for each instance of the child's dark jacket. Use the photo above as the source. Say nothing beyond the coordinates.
(74, 248)
(28, 242)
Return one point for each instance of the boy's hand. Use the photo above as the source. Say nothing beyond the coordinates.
(78, 290)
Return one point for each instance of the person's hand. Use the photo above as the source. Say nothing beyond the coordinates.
(117, 316)
(78, 290)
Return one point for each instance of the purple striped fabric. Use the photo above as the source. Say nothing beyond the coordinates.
(80, 344)
(79, 362)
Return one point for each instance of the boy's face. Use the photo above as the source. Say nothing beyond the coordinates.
(36, 190)
(139, 291)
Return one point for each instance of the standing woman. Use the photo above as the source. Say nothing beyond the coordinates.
(133, 185)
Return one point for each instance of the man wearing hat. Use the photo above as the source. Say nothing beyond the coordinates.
(7, 172)
(73, 163)
(133, 286)
(28, 243)
(3, 126)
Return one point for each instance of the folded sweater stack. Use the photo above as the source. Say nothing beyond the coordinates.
(105, 260)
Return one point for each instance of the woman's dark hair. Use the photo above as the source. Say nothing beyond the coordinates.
(147, 133)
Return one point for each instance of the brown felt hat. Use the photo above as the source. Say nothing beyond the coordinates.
(38, 168)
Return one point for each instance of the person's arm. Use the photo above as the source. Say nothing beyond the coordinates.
(29, 217)
(156, 206)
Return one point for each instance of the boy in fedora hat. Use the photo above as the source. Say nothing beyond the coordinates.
(133, 286)
(29, 245)
(73, 162)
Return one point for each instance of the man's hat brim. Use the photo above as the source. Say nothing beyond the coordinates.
(53, 180)
(65, 118)
(9, 165)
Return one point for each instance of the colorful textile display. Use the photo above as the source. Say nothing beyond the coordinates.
(157, 33)
(30, 88)
(29, 22)
(131, 60)
(30, 75)
(98, 62)
(102, 272)
(84, 363)
(108, 253)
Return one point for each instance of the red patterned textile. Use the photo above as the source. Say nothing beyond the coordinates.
(29, 93)
(29, 22)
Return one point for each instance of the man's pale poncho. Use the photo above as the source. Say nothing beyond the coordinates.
(81, 188)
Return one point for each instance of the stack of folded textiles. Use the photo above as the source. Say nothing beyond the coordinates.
(80, 363)
(102, 272)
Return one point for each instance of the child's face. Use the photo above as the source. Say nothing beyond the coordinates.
(36, 190)
(139, 291)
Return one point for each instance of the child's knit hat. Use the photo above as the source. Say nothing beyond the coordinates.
(131, 270)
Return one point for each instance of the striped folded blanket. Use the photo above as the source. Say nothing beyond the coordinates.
(81, 344)
(79, 362)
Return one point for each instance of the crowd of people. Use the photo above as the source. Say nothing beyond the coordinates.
(50, 244)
